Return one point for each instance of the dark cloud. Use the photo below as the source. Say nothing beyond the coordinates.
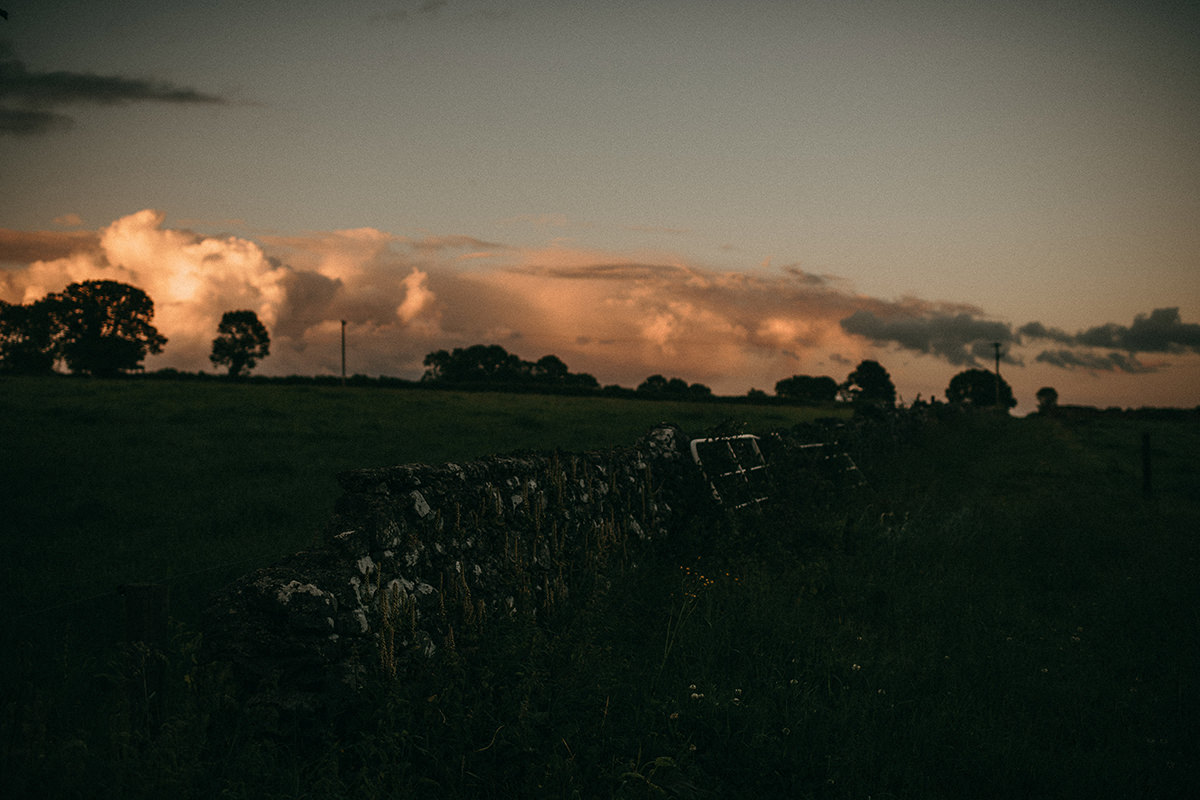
(31, 122)
(807, 278)
(1113, 362)
(1036, 330)
(308, 299)
(36, 91)
(961, 339)
(1160, 331)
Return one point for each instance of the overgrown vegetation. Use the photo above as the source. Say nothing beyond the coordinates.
(1000, 613)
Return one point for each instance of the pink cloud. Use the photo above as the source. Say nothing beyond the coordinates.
(620, 317)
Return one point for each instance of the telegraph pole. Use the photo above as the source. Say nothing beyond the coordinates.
(343, 352)
(997, 346)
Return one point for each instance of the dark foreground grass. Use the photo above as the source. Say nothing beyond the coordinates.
(1001, 614)
(113, 482)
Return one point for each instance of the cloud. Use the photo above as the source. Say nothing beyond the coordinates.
(429, 244)
(403, 298)
(959, 338)
(35, 92)
(1160, 331)
(402, 12)
(69, 220)
(29, 122)
(620, 318)
(1070, 359)
(1036, 330)
(23, 247)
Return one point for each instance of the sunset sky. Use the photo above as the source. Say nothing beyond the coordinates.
(727, 192)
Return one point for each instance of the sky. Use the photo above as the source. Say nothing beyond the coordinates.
(730, 193)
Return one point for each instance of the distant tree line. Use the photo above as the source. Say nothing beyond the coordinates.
(658, 387)
(105, 328)
(493, 366)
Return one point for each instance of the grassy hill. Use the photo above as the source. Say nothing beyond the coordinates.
(1001, 613)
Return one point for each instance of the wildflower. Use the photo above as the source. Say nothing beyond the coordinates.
(674, 715)
(855, 667)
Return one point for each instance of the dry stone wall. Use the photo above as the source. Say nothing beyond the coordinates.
(422, 557)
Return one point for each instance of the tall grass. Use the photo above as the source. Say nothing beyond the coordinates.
(1001, 613)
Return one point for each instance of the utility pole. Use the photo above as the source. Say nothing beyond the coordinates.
(997, 346)
(343, 352)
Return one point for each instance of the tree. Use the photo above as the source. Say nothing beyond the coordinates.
(659, 386)
(242, 341)
(977, 387)
(475, 364)
(550, 369)
(104, 328)
(869, 383)
(1047, 398)
(807, 389)
(654, 385)
(27, 334)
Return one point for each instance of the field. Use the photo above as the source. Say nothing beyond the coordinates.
(1000, 613)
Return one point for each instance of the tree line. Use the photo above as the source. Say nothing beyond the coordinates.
(104, 328)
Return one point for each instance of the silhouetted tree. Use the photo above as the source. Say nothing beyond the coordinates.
(103, 327)
(869, 383)
(977, 387)
(583, 380)
(550, 369)
(807, 389)
(654, 385)
(661, 387)
(242, 341)
(492, 364)
(1047, 398)
(475, 364)
(27, 334)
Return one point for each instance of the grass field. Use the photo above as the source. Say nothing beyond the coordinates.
(113, 482)
(1000, 614)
